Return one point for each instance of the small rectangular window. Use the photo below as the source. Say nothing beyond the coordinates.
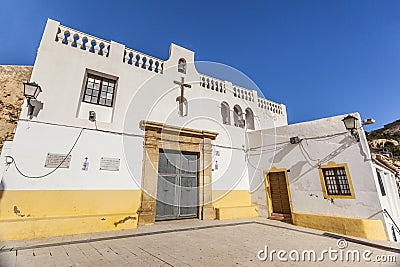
(99, 90)
(336, 181)
(381, 186)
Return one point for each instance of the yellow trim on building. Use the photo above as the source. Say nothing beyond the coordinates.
(364, 228)
(227, 213)
(332, 164)
(233, 204)
(26, 214)
(231, 198)
(268, 188)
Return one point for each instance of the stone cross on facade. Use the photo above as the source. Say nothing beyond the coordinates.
(182, 84)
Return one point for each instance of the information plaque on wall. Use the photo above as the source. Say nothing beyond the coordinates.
(54, 160)
(109, 164)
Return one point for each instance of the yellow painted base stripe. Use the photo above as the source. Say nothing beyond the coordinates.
(236, 212)
(233, 204)
(234, 198)
(28, 229)
(26, 214)
(364, 228)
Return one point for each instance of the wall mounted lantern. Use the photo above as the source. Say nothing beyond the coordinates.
(350, 122)
(31, 91)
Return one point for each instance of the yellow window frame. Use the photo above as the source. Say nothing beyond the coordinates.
(323, 184)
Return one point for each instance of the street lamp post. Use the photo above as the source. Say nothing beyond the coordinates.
(31, 91)
(350, 122)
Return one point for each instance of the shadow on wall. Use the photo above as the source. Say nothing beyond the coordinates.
(362, 152)
(283, 153)
(315, 163)
(303, 166)
(38, 106)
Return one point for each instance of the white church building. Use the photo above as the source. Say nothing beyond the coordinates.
(118, 139)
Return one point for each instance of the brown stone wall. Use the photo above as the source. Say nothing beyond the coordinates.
(11, 98)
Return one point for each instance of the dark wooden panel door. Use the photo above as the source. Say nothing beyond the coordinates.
(279, 193)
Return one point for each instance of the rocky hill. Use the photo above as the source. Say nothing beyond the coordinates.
(11, 98)
(393, 129)
(389, 131)
(386, 138)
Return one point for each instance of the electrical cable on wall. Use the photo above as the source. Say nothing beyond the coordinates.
(52, 171)
(259, 149)
(302, 148)
(325, 136)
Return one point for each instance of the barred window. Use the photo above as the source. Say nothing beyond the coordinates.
(99, 90)
(336, 181)
(381, 186)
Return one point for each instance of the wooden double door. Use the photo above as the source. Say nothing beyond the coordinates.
(177, 187)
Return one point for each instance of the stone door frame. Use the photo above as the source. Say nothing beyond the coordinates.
(161, 136)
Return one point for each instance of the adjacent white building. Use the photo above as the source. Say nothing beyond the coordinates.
(388, 183)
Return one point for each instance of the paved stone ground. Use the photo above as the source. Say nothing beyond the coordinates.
(187, 243)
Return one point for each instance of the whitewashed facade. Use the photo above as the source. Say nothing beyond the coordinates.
(104, 185)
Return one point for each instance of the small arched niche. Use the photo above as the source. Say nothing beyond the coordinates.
(182, 65)
(250, 119)
(182, 106)
(238, 116)
(225, 113)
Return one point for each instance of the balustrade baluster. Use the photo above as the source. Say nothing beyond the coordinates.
(156, 66)
(96, 47)
(60, 35)
(147, 64)
(105, 50)
(79, 42)
(70, 38)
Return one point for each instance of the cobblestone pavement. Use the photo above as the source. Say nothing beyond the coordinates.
(190, 243)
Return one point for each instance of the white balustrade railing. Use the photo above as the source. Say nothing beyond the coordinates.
(218, 85)
(212, 83)
(143, 61)
(270, 105)
(86, 42)
(243, 93)
(83, 41)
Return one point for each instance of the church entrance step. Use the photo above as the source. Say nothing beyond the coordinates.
(283, 217)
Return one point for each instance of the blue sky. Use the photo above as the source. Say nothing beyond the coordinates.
(320, 58)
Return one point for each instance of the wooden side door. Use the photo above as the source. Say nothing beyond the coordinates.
(279, 193)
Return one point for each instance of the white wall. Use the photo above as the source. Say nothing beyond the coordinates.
(34, 141)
